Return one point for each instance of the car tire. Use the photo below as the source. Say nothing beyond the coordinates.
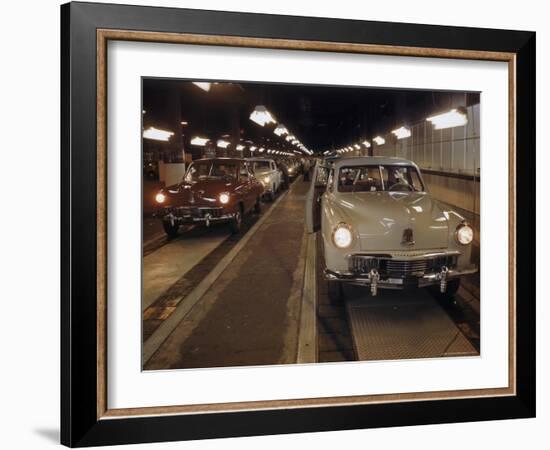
(258, 205)
(170, 230)
(335, 292)
(450, 292)
(237, 221)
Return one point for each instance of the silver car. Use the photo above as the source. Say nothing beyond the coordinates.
(267, 173)
(381, 228)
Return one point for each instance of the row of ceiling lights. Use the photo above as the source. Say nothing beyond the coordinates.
(262, 117)
(454, 118)
(259, 115)
(163, 135)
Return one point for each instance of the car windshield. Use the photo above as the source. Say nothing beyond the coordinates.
(211, 169)
(376, 178)
(260, 166)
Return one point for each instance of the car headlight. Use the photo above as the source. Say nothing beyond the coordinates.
(341, 235)
(464, 234)
(160, 197)
(266, 180)
(224, 198)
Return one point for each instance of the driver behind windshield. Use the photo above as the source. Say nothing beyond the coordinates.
(205, 170)
(368, 179)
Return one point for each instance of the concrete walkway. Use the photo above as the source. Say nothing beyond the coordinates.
(170, 262)
(250, 314)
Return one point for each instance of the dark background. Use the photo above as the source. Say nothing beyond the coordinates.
(321, 117)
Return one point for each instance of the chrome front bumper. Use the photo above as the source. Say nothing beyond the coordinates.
(374, 280)
(201, 215)
(267, 189)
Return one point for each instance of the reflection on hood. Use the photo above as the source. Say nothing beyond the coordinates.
(380, 219)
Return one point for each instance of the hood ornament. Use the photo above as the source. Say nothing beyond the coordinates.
(407, 238)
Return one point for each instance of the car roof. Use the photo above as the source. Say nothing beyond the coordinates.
(259, 159)
(220, 158)
(364, 160)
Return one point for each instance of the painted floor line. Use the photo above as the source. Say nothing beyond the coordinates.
(165, 329)
(307, 340)
(154, 238)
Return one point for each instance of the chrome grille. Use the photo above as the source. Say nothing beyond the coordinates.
(400, 268)
(194, 211)
(363, 264)
(392, 267)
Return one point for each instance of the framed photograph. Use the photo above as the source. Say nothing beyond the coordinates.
(277, 224)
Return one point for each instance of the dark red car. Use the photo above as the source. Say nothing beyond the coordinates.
(212, 190)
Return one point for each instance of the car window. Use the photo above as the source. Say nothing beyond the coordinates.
(211, 169)
(401, 178)
(259, 166)
(322, 176)
(360, 179)
(223, 170)
(375, 178)
(197, 171)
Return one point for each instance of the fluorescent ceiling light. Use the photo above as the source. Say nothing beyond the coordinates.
(240, 147)
(184, 122)
(156, 134)
(366, 144)
(290, 137)
(253, 148)
(357, 146)
(379, 140)
(222, 144)
(261, 149)
(402, 132)
(280, 130)
(204, 86)
(199, 141)
(453, 118)
(261, 115)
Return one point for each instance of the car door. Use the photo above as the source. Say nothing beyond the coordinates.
(245, 186)
(275, 174)
(317, 187)
(256, 188)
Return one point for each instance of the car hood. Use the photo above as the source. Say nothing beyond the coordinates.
(199, 192)
(262, 173)
(381, 218)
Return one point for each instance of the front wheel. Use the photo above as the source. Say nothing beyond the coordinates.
(450, 292)
(258, 205)
(170, 230)
(237, 221)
